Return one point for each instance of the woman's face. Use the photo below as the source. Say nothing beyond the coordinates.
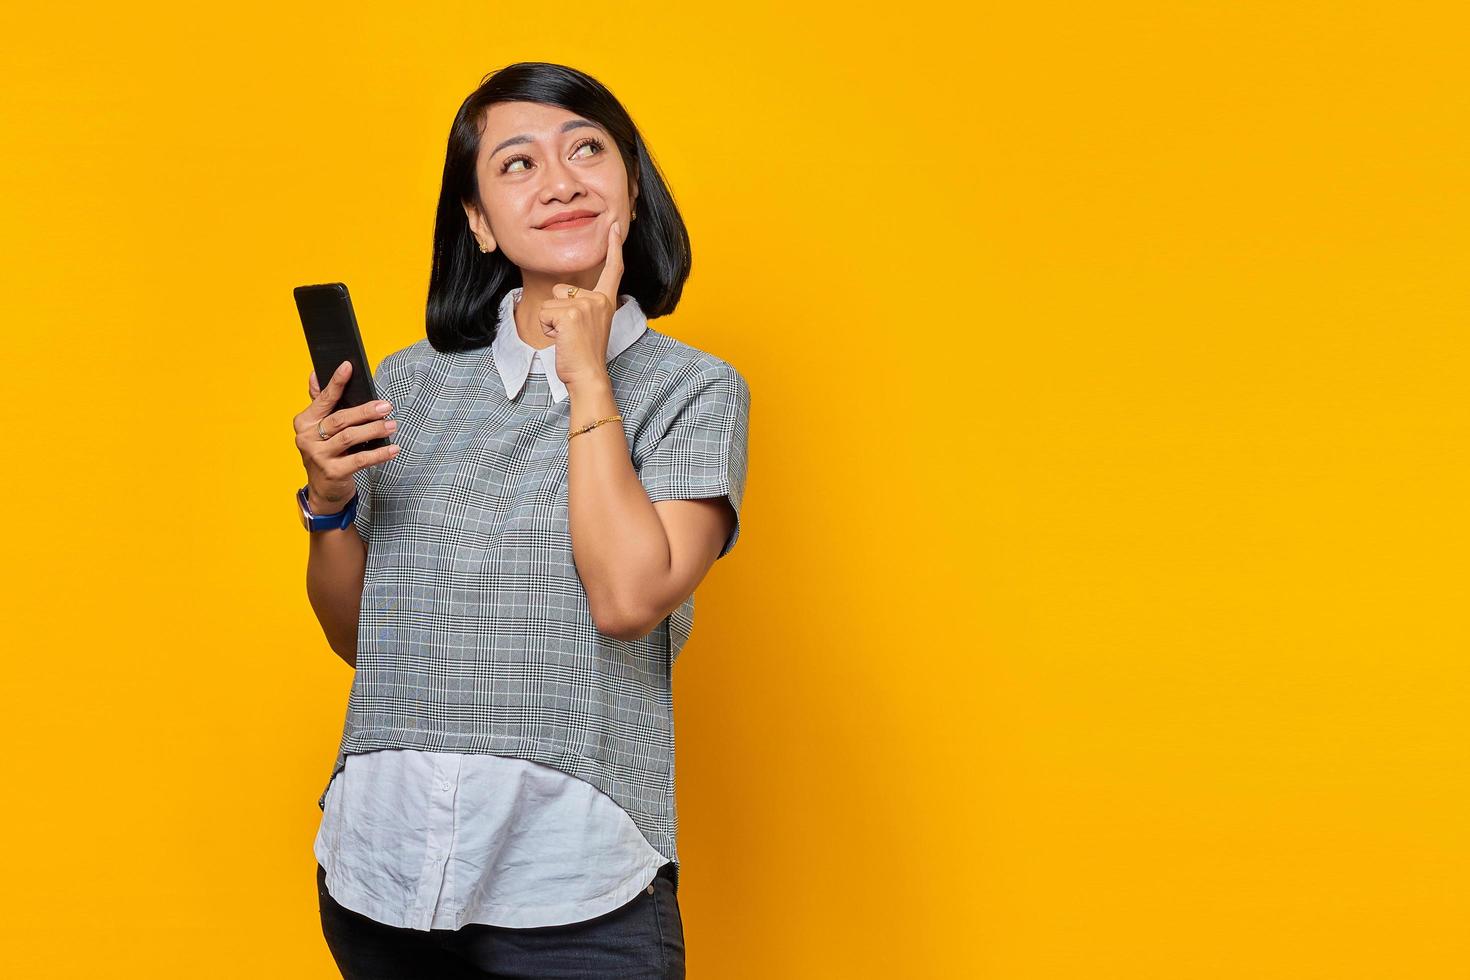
(537, 161)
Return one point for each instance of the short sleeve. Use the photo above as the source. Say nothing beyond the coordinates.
(702, 443)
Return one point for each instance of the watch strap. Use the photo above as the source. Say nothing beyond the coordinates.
(325, 522)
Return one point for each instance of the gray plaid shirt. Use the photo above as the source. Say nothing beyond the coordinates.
(474, 633)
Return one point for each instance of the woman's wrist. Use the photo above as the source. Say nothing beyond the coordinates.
(590, 401)
(323, 507)
(590, 386)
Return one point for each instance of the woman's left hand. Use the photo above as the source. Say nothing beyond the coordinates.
(580, 324)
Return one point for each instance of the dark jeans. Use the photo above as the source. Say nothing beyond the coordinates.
(643, 938)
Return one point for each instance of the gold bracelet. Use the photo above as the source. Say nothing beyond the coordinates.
(592, 425)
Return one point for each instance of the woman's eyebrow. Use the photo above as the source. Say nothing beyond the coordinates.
(567, 126)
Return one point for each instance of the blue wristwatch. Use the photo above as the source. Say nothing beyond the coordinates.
(326, 522)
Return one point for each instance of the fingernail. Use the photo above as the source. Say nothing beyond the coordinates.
(382, 406)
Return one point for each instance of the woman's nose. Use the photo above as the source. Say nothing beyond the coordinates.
(561, 180)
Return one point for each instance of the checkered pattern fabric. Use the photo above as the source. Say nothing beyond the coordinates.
(475, 633)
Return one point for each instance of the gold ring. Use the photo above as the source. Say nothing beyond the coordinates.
(571, 292)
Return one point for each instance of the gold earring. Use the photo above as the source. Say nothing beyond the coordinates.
(633, 215)
(483, 247)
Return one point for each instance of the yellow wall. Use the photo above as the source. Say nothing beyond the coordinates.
(1099, 607)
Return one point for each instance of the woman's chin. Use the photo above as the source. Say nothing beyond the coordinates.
(567, 263)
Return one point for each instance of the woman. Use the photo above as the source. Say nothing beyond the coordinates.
(513, 577)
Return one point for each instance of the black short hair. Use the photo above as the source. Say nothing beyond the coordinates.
(466, 285)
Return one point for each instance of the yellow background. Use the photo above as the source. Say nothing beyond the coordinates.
(1099, 610)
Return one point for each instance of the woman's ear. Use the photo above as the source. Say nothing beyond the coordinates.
(480, 227)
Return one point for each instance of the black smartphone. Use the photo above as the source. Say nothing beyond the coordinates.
(332, 337)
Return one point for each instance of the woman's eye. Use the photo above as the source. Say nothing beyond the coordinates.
(589, 141)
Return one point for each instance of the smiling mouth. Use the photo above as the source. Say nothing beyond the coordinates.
(572, 223)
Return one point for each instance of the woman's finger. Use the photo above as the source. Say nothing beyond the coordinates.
(612, 269)
(323, 401)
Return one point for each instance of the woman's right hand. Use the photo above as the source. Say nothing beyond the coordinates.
(329, 467)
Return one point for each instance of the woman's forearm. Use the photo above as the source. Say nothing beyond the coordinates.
(334, 573)
(618, 542)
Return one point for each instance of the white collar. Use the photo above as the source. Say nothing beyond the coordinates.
(513, 356)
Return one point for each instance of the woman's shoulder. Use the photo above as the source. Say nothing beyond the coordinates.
(675, 363)
(405, 359)
(400, 372)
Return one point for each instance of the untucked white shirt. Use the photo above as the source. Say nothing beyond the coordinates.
(437, 840)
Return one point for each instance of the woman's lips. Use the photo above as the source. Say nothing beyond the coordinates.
(574, 223)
